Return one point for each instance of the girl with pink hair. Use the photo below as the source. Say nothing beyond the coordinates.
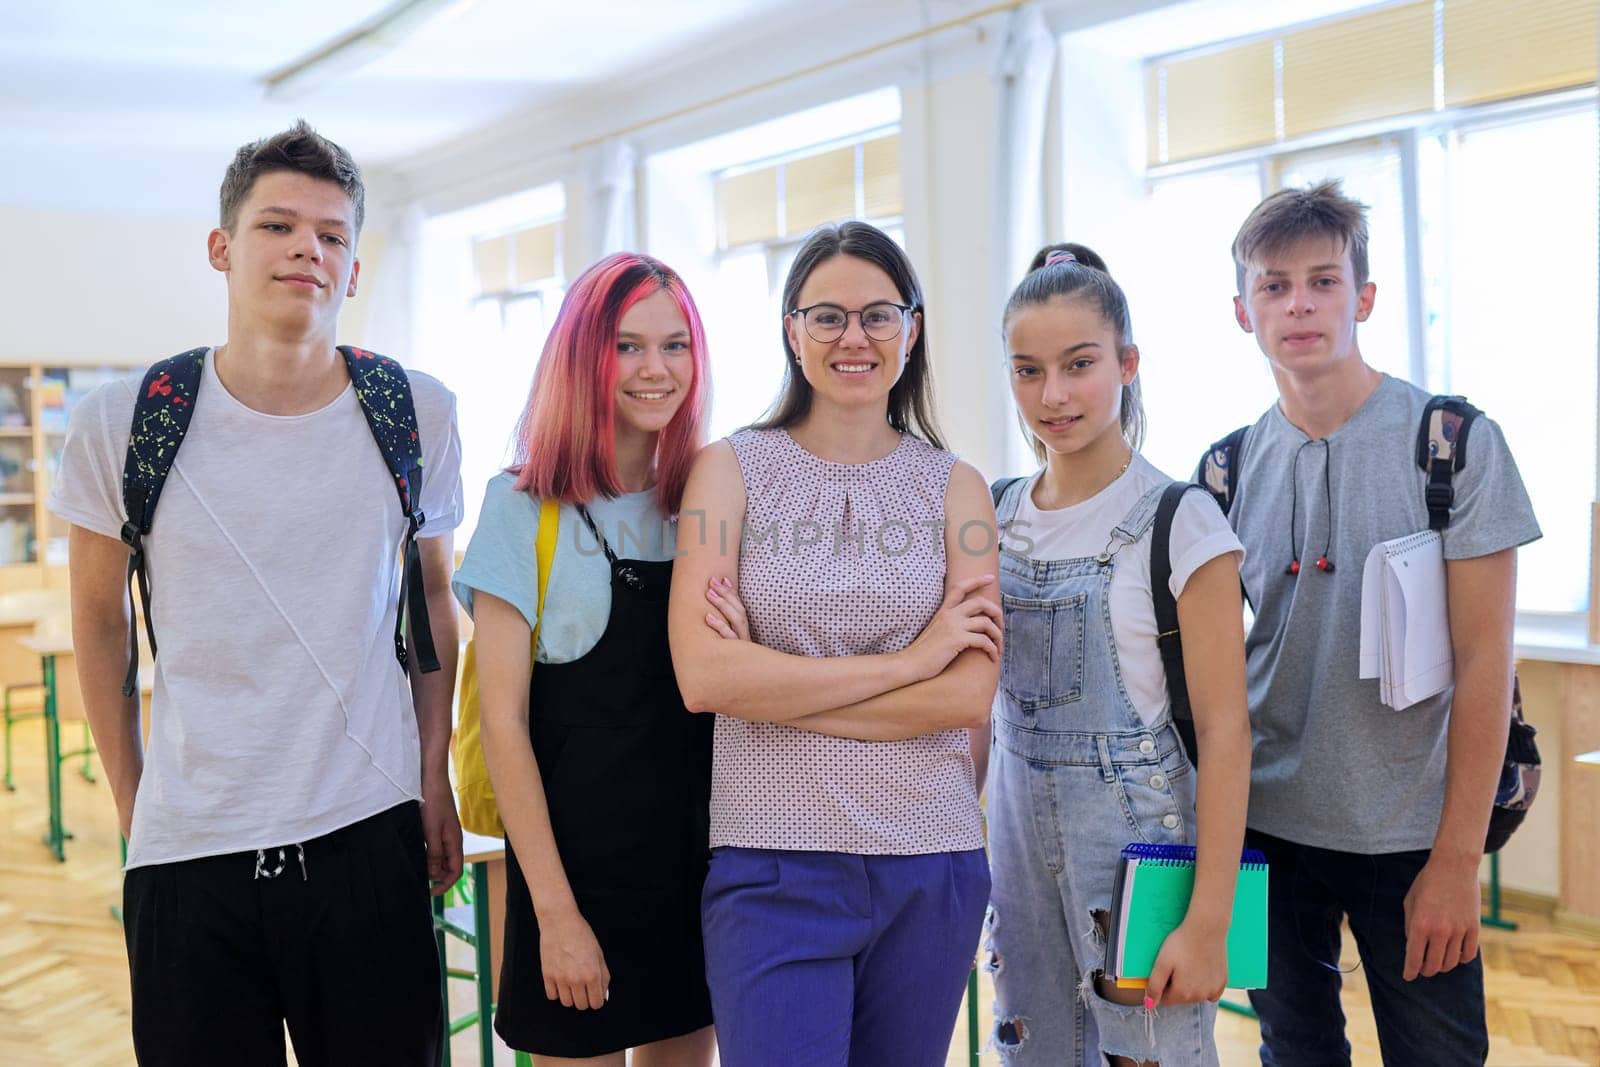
(602, 777)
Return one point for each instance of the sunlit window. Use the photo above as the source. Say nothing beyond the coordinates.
(489, 286)
(1506, 313)
(1201, 374)
(730, 214)
(1519, 324)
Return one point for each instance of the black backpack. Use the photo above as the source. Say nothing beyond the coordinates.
(1168, 641)
(1441, 451)
(161, 415)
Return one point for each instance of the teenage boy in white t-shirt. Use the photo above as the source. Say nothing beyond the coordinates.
(1365, 813)
(278, 858)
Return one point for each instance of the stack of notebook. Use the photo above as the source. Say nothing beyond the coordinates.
(1405, 621)
(1150, 898)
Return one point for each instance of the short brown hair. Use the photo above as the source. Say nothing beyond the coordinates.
(1289, 216)
(299, 149)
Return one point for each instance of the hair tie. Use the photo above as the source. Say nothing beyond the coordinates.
(1059, 256)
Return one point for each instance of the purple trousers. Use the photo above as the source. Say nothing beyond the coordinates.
(834, 959)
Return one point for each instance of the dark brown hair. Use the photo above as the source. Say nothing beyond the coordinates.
(299, 149)
(1082, 277)
(911, 399)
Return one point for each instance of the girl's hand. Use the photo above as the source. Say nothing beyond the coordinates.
(963, 621)
(1192, 966)
(727, 616)
(573, 965)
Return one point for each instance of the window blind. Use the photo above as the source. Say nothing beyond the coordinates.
(854, 180)
(1372, 64)
(1369, 66)
(510, 262)
(1494, 50)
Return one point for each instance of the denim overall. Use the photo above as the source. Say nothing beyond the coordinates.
(1074, 776)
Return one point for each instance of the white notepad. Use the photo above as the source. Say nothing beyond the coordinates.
(1405, 619)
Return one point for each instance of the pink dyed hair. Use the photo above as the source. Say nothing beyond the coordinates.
(566, 439)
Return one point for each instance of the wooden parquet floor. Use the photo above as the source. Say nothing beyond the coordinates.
(64, 982)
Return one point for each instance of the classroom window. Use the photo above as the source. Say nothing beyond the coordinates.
(730, 213)
(490, 282)
(1482, 220)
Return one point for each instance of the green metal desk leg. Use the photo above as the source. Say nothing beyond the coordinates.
(480, 944)
(11, 787)
(1238, 1009)
(972, 1018)
(444, 972)
(56, 834)
(87, 770)
(1493, 918)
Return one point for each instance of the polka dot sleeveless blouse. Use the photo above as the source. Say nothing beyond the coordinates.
(841, 559)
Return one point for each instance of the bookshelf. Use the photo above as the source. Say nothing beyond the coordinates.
(36, 401)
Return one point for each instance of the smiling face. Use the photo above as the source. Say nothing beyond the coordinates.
(1067, 373)
(655, 364)
(1303, 305)
(290, 257)
(854, 369)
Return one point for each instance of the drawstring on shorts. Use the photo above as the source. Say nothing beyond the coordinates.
(283, 861)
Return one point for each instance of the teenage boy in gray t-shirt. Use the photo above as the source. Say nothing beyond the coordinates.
(1365, 813)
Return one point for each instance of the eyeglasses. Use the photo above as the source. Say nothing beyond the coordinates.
(827, 322)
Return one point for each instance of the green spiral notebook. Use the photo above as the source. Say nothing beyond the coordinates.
(1150, 898)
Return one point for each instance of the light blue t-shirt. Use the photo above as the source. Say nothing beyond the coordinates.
(502, 560)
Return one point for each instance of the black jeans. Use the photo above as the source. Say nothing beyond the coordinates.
(1437, 1021)
(342, 949)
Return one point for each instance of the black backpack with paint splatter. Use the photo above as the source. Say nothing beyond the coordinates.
(161, 414)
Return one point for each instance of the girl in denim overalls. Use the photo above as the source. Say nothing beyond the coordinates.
(1085, 758)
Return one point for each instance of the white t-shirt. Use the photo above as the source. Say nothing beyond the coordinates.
(280, 712)
(1200, 533)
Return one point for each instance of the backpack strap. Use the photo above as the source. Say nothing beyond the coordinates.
(161, 413)
(1218, 467)
(544, 549)
(385, 394)
(1441, 451)
(1168, 641)
(997, 489)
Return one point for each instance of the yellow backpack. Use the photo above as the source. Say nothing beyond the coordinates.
(474, 791)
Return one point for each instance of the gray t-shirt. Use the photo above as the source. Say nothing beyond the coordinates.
(1333, 766)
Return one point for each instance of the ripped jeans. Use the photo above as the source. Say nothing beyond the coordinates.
(1059, 816)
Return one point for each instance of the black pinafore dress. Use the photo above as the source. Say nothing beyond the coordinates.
(627, 776)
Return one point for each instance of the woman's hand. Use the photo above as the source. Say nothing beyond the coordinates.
(574, 967)
(1192, 966)
(963, 621)
(727, 615)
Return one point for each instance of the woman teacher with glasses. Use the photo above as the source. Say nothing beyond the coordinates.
(836, 608)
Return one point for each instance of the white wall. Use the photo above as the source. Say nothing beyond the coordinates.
(88, 289)
(80, 288)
